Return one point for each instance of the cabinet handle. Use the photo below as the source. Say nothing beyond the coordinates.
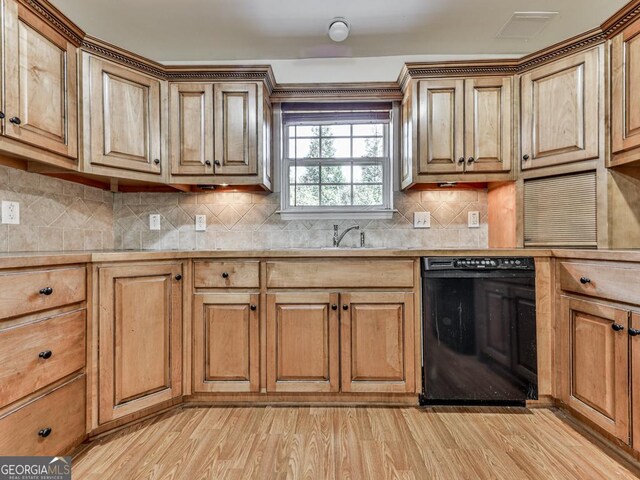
(46, 291)
(471, 160)
(334, 307)
(46, 354)
(525, 157)
(207, 163)
(178, 277)
(157, 161)
(45, 432)
(253, 307)
(617, 327)
(1, 115)
(225, 275)
(585, 280)
(461, 160)
(217, 162)
(15, 120)
(633, 332)
(345, 307)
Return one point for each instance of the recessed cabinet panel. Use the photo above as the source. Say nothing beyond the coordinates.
(561, 104)
(634, 345)
(407, 144)
(441, 126)
(40, 82)
(236, 139)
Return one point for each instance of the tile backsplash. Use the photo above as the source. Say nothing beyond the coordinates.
(60, 215)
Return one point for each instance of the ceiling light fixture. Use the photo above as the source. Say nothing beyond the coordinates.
(338, 29)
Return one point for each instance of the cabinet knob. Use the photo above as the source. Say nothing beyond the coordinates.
(46, 291)
(345, 307)
(585, 280)
(15, 120)
(1, 115)
(178, 277)
(525, 157)
(471, 160)
(633, 332)
(253, 307)
(157, 161)
(46, 354)
(45, 432)
(225, 274)
(334, 307)
(217, 162)
(207, 163)
(617, 327)
(461, 160)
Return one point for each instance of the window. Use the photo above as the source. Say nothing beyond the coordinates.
(336, 164)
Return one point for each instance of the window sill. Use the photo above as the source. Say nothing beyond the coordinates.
(337, 214)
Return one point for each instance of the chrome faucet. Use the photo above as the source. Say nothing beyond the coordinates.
(337, 238)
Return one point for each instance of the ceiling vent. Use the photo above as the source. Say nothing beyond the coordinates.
(526, 25)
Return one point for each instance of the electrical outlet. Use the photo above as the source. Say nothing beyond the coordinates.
(154, 221)
(422, 220)
(474, 219)
(11, 213)
(201, 223)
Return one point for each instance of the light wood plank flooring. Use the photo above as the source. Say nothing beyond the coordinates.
(349, 443)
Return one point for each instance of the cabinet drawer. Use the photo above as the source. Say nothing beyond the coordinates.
(26, 292)
(37, 354)
(614, 282)
(341, 274)
(62, 411)
(232, 274)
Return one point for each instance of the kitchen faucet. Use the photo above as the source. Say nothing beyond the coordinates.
(337, 238)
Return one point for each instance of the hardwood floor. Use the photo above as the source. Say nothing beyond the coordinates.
(349, 443)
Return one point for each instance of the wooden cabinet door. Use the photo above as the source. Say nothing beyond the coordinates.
(140, 338)
(125, 119)
(226, 343)
(441, 126)
(561, 110)
(302, 342)
(488, 114)
(191, 129)
(625, 94)
(594, 356)
(40, 83)
(406, 141)
(634, 346)
(377, 337)
(236, 129)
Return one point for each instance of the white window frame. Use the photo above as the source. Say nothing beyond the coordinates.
(385, 211)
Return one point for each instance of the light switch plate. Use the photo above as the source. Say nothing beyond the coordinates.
(474, 219)
(422, 220)
(201, 223)
(10, 213)
(154, 221)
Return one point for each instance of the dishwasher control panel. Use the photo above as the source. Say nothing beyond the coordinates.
(478, 263)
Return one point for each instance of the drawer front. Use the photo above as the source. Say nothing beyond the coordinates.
(37, 354)
(232, 274)
(32, 291)
(341, 274)
(62, 411)
(605, 281)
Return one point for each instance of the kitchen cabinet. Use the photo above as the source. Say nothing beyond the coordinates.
(377, 342)
(40, 85)
(302, 342)
(139, 337)
(227, 346)
(562, 111)
(408, 146)
(625, 96)
(123, 111)
(634, 352)
(220, 133)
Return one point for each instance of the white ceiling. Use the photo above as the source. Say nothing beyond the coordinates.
(218, 30)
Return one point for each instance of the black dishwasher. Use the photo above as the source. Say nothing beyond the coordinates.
(479, 331)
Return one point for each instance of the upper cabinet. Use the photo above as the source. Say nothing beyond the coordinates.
(456, 129)
(122, 118)
(220, 133)
(562, 111)
(40, 89)
(625, 96)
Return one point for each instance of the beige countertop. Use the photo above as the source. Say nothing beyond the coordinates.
(34, 259)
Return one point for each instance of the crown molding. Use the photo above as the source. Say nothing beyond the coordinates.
(336, 91)
(56, 19)
(621, 18)
(202, 73)
(120, 55)
(456, 69)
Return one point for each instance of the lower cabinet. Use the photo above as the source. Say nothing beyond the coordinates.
(140, 337)
(227, 346)
(302, 342)
(596, 354)
(634, 350)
